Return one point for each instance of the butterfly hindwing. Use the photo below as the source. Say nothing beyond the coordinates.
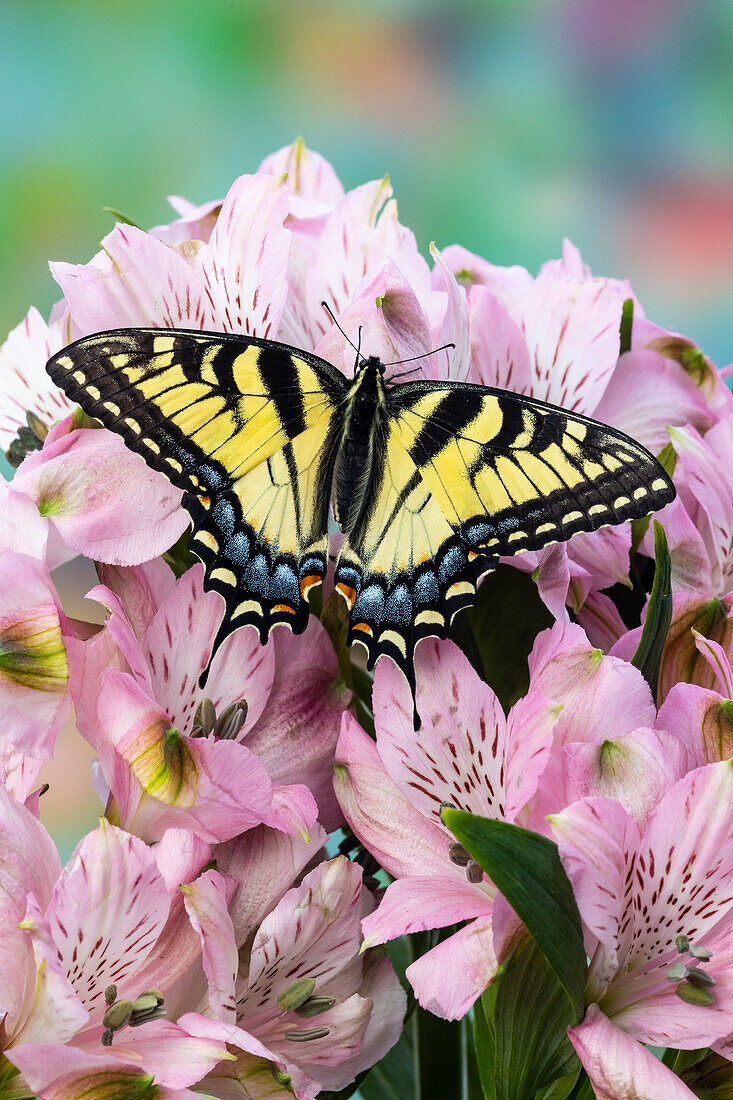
(469, 474)
(248, 430)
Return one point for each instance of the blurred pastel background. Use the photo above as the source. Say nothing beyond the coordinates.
(505, 125)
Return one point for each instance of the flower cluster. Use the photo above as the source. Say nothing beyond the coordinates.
(206, 938)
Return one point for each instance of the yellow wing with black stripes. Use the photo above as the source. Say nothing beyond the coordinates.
(468, 474)
(248, 429)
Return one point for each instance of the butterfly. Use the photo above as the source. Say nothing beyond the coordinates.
(431, 482)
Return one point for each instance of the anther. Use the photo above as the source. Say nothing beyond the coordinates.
(458, 854)
(296, 994)
(308, 1035)
(474, 872)
(314, 1006)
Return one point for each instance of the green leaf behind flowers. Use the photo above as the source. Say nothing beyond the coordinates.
(648, 656)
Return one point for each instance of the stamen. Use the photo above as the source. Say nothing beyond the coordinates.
(474, 872)
(458, 854)
(308, 1035)
(296, 994)
(204, 719)
(145, 1008)
(314, 1006)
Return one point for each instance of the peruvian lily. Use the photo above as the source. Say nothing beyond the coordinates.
(217, 764)
(90, 487)
(298, 994)
(604, 740)
(556, 338)
(682, 660)
(657, 908)
(84, 946)
(467, 754)
(26, 388)
(702, 718)
(33, 665)
(699, 525)
(235, 282)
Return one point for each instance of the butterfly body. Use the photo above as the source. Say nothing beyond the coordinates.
(431, 482)
(363, 408)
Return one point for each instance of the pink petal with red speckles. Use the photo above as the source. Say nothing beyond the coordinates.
(459, 755)
(24, 384)
(404, 840)
(243, 267)
(598, 841)
(135, 280)
(499, 354)
(571, 328)
(241, 669)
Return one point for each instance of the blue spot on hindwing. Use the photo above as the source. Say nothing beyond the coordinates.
(452, 564)
(237, 549)
(399, 606)
(369, 606)
(257, 576)
(426, 588)
(285, 584)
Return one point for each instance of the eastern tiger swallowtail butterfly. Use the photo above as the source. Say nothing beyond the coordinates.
(430, 481)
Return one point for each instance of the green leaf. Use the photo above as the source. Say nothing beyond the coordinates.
(627, 321)
(648, 656)
(526, 867)
(484, 1041)
(180, 558)
(119, 217)
(531, 1016)
(439, 1057)
(498, 632)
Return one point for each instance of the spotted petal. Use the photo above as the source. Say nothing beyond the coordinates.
(24, 384)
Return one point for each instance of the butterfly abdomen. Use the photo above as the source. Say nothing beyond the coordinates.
(356, 455)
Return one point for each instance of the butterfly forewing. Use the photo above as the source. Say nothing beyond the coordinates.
(248, 429)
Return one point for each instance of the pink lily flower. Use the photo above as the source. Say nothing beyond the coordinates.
(682, 660)
(556, 338)
(657, 908)
(468, 754)
(24, 385)
(217, 768)
(90, 485)
(93, 934)
(702, 718)
(33, 663)
(235, 282)
(303, 996)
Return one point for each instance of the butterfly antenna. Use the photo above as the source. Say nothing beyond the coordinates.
(424, 355)
(330, 313)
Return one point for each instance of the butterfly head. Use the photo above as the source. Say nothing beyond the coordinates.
(371, 366)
